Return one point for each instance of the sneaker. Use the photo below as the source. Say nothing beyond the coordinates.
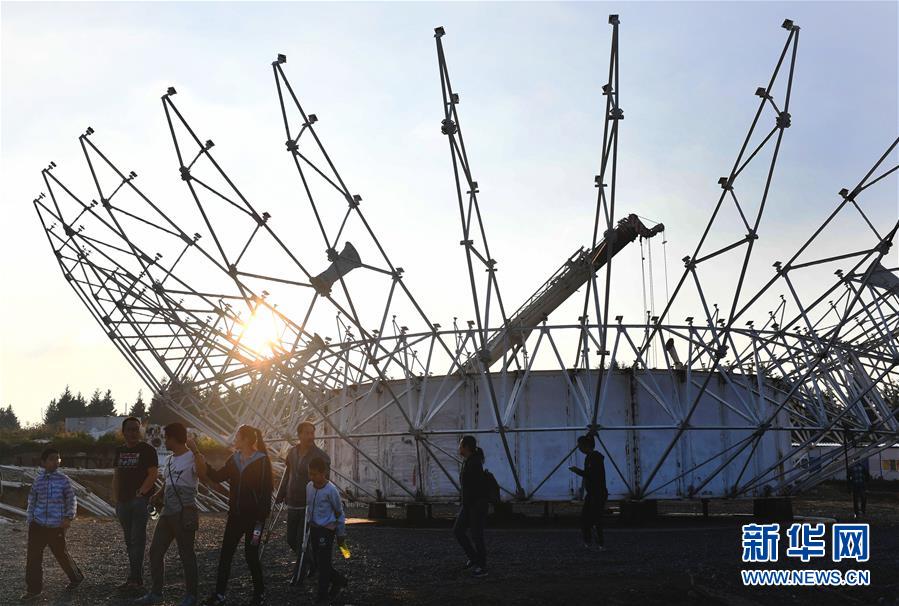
(479, 572)
(29, 596)
(468, 564)
(216, 599)
(149, 598)
(74, 584)
(188, 600)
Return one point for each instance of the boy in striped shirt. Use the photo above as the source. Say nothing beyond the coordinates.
(51, 509)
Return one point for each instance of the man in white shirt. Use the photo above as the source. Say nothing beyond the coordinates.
(181, 473)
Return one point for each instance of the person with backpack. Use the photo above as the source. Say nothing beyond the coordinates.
(249, 475)
(596, 493)
(472, 514)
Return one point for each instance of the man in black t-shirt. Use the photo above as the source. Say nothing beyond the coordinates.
(134, 481)
(596, 493)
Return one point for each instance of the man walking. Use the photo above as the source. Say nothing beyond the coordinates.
(596, 493)
(134, 478)
(181, 473)
(293, 487)
(51, 508)
(472, 516)
(858, 479)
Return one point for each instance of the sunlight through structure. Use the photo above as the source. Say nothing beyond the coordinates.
(221, 313)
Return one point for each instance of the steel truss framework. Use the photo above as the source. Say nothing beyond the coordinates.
(179, 300)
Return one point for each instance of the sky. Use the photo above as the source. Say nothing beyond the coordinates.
(529, 76)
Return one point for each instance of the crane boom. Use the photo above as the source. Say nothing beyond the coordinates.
(573, 274)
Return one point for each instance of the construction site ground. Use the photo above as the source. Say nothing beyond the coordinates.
(681, 557)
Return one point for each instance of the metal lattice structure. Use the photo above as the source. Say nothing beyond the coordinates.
(727, 403)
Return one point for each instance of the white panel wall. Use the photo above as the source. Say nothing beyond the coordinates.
(639, 416)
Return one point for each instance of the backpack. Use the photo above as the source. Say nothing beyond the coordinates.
(491, 487)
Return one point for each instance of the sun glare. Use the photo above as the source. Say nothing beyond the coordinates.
(259, 333)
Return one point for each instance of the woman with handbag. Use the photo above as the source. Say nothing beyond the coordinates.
(249, 475)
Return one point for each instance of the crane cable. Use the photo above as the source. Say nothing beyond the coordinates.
(643, 273)
(665, 258)
(652, 300)
(651, 307)
(643, 278)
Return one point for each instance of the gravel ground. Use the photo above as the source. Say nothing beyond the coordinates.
(682, 558)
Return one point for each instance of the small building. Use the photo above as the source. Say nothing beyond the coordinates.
(94, 426)
(881, 466)
(887, 463)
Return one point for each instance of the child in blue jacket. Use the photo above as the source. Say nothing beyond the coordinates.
(326, 519)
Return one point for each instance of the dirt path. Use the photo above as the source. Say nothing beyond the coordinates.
(680, 560)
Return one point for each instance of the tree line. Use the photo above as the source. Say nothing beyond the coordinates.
(100, 405)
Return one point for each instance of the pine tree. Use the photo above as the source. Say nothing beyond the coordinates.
(139, 409)
(51, 413)
(66, 405)
(93, 407)
(101, 406)
(8, 419)
(175, 391)
(107, 404)
(79, 406)
(157, 408)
